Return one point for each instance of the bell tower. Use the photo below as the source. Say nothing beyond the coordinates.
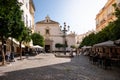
(47, 19)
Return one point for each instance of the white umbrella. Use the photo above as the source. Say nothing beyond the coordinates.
(37, 46)
(117, 42)
(84, 47)
(107, 43)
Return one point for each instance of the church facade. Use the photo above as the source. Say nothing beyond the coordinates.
(52, 34)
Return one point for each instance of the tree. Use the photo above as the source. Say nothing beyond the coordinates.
(73, 46)
(10, 21)
(116, 27)
(24, 37)
(38, 39)
(110, 32)
(58, 45)
(88, 40)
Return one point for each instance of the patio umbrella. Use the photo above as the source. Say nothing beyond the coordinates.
(107, 44)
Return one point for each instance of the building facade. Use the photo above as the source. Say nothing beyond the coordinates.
(52, 34)
(28, 13)
(28, 18)
(105, 15)
(80, 37)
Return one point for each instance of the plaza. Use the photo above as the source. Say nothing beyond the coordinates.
(34, 46)
(48, 67)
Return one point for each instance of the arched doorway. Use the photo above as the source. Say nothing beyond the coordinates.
(48, 45)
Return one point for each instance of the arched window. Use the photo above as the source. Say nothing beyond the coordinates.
(47, 31)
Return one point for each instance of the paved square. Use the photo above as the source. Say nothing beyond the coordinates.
(49, 67)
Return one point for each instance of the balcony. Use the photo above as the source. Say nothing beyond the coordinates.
(102, 21)
(110, 15)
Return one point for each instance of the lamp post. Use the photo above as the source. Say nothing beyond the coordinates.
(64, 30)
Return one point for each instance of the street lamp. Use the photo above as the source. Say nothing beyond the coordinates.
(64, 30)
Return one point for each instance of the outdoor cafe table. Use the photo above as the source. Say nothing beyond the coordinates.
(115, 61)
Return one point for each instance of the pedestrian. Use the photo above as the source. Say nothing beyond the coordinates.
(71, 53)
(77, 51)
(12, 57)
(8, 56)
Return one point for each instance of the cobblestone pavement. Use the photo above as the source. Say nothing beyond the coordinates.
(48, 67)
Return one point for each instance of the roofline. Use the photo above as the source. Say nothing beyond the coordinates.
(31, 1)
(47, 23)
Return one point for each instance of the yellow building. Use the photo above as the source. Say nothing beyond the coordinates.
(105, 15)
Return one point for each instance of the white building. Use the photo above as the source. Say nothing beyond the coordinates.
(28, 13)
(52, 34)
(79, 38)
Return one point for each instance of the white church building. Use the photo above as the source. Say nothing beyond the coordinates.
(51, 31)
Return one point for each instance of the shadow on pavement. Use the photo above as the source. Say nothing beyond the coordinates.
(78, 69)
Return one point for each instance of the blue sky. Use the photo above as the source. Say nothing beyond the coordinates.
(78, 14)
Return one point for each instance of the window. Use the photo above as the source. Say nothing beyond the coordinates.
(47, 20)
(26, 20)
(47, 31)
(23, 18)
(26, 5)
(30, 24)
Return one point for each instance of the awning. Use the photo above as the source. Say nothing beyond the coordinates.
(37, 46)
(85, 47)
(106, 44)
(17, 42)
(117, 42)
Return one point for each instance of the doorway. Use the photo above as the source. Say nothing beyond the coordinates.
(47, 48)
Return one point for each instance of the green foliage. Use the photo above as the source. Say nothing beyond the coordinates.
(10, 18)
(25, 35)
(88, 40)
(73, 46)
(58, 45)
(38, 39)
(116, 27)
(11, 24)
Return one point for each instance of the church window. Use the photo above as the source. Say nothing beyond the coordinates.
(47, 31)
(47, 20)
